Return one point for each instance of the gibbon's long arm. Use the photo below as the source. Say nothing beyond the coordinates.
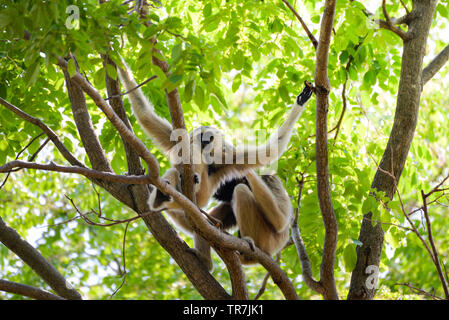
(253, 157)
(156, 127)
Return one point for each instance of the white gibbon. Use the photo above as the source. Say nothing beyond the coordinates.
(259, 205)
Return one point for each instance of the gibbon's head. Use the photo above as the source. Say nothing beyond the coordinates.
(207, 145)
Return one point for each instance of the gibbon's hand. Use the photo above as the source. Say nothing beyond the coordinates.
(305, 94)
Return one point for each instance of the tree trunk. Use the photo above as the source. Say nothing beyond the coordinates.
(395, 154)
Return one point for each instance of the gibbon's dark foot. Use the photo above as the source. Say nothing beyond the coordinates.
(161, 197)
(207, 262)
(250, 243)
(305, 95)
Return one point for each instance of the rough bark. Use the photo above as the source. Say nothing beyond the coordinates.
(29, 255)
(396, 151)
(27, 291)
(322, 162)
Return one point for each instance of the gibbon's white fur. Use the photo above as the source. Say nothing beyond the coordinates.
(257, 199)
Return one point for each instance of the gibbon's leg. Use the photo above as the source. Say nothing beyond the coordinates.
(156, 127)
(247, 213)
(222, 212)
(270, 201)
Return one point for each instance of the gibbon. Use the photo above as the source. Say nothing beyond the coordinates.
(216, 161)
(258, 205)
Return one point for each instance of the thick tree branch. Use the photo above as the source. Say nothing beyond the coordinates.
(116, 102)
(177, 119)
(27, 291)
(303, 24)
(84, 126)
(88, 173)
(393, 160)
(163, 232)
(234, 266)
(139, 146)
(322, 162)
(435, 65)
(14, 242)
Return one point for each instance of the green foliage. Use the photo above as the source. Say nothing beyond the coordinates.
(237, 65)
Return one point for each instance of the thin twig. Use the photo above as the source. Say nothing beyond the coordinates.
(405, 7)
(124, 261)
(436, 259)
(388, 24)
(18, 156)
(131, 90)
(306, 29)
(265, 280)
(419, 291)
(49, 132)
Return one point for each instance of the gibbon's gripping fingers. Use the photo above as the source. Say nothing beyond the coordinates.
(250, 242)
(212, 220)
(305, 95)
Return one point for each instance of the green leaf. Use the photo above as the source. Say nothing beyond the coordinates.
(189, 90)
(349, 257)
(199, 97)
(32, 73)
(111, 71)
(236, 82)
(283, 92)
(71, 68)
(176, 52)
(5, 19)
(316, 19)
(207, 11)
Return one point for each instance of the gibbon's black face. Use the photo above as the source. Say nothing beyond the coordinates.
(206, 136)
(305, 94)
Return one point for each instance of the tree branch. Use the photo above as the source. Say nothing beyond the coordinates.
(388, 24)
(84, 125)
(436, 257)
(234, 266)
(159, 227)
(322, 162)
(435, 65)
(88, 173)
(301, 248)
(303, 24)
(14, 242)
(405, 120)
(49, 132)
(27, 291)
(116, 102)
(153, 165)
